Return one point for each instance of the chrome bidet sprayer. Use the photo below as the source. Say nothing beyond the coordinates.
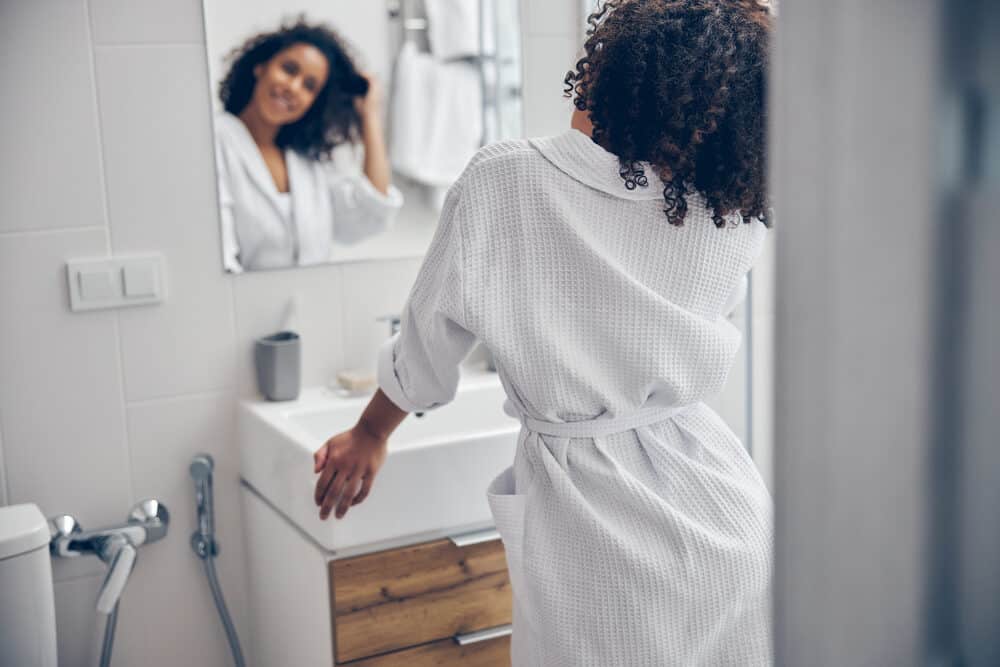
(203, 539)
(204, 545)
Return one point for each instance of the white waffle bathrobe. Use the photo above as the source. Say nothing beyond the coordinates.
(328, 205)
(640, 535)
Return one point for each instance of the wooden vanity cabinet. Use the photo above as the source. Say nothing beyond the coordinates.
(407, 606)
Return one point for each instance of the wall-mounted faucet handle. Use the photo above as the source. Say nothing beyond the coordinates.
(153, 517)
(62, 528)
(120, 554)
(117, 546)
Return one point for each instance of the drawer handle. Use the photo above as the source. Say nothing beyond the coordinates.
(476, 537)
(483, 635)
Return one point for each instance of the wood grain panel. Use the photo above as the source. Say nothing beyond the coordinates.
(417, 594)
(445, 653)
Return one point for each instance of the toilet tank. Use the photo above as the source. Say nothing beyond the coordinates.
(27, 609)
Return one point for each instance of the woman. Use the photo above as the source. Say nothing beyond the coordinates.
(598, 267)
(291, 97)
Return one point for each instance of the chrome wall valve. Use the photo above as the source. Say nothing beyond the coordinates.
(117, 545)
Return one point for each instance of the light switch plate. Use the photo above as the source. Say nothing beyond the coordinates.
(96, 285)
(113, 282)
(139, 278)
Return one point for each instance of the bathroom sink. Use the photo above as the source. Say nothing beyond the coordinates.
(433, 482)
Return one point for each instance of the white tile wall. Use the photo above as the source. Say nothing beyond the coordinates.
(161, 196)
(552, 36)
(61, 395)
(547, 59)
(49, 133)
(146, 21)
(168, 608)
(550, 18)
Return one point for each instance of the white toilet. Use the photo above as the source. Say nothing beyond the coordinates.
(27, 608)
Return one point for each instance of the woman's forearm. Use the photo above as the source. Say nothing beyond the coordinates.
(381, 417)
(376, 158)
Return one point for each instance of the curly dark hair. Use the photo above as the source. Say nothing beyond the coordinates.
(332, 118)
(681, 84)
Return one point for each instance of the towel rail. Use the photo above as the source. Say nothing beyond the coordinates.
(411, 24)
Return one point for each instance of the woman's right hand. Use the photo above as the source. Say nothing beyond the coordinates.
(347, 463)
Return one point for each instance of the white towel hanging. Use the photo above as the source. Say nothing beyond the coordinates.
(436, 117)
(454, 28)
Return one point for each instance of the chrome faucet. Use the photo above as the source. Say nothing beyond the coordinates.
(117, 546)
(394, 323)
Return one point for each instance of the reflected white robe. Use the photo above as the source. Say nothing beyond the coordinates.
(641, 534)
(328, 205)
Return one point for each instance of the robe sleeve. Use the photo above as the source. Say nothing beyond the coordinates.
(359, 210)
(230, 244)
(418, 368)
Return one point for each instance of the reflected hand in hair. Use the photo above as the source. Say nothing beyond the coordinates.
(348, 462)
(368, 107)
(371, 101)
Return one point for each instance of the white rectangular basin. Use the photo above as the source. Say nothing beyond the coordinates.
(433, 480)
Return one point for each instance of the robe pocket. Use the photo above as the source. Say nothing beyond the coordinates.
(508, 510)
(508, 515)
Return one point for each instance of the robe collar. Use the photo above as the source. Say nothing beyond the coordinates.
(254, 163)
(577, 155)
(298, 171)
(242, 141)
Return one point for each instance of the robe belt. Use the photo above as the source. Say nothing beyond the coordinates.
(599, 426)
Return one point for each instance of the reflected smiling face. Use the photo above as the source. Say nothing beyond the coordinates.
(288, 83)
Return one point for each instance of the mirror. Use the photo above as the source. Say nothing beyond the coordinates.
(338, 130)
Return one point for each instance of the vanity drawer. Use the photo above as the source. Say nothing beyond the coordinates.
(417, 594)
(444, 652)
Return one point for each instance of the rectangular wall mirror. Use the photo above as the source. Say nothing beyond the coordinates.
(339, 128)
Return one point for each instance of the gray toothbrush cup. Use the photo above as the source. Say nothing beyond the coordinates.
(278, 358)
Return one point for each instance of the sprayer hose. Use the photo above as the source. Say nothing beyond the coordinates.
(220, 604)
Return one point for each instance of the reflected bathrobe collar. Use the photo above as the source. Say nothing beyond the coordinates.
(577, 155)
(250, 155)
(299, 172)
(256, 168)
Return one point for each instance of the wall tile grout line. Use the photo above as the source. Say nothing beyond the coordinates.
(175, 398)
(102, 171)
(10, 233)
(127, 45)
(78, 577)
(109, 236)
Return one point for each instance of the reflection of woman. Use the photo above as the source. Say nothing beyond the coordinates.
(290, 97)
(598, 266)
